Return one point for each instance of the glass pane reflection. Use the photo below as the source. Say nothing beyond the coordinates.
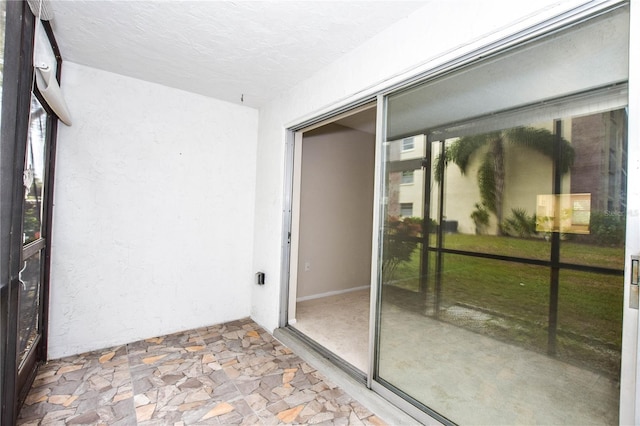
(29, 306)
(506, 300)
(484, 308)
(492, 182)
(405, 177)
(405, 223)
(590, 321)
(599, 171)
(34, 172)
(477, 336)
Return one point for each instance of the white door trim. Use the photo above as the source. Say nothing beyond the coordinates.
(629, 373)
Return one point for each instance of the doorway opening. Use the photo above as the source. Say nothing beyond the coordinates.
(330, 272)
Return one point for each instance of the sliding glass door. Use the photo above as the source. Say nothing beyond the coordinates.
(501, 319)
(503, 238)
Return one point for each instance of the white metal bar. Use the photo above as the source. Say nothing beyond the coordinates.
(630, 374)
(375, 234)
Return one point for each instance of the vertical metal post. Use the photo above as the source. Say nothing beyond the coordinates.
(52, 137)
(440, 241)
(377, 234)
(285, 266)
(426, 221)
(554, 285)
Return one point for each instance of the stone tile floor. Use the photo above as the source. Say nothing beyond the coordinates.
(232, 373)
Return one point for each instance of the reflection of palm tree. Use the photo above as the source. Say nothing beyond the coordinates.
(491, 174)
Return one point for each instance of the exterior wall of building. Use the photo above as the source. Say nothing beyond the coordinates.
(527, 174)
(412, 193)
(421, 42)
(601, 162)
(399, 192)
(153, 217)
(598, 170)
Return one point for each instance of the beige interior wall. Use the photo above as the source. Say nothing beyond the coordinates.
(336, 211)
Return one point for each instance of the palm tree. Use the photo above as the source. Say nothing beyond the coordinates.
(491, 174)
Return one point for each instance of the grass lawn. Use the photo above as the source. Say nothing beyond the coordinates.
(570, 252)
(516, 296)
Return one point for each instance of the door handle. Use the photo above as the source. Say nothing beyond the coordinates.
(634, 294)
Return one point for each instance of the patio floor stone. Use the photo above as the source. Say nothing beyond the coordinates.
(231, 373)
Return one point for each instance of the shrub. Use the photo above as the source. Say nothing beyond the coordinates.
(607, 229)
(480, 217)
(398, 243)
(520, 224)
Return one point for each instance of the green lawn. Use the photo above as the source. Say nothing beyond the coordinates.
(516, 296)
(570, 252)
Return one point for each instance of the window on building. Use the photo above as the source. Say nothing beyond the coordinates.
(406, 209)
(407, 177)
(408, 144)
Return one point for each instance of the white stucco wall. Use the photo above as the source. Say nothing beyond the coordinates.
(153, 217)
(438, 32)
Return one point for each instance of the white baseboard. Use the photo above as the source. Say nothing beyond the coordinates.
(331, 293)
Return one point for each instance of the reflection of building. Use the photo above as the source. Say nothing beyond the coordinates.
(601, 159)
(406, 186)
(598, 169)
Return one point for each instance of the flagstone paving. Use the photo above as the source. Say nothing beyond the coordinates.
(232, 373)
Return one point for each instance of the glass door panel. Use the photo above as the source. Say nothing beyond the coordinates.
(29, 295)
(34, 173)
(407, 227)
(491, 182)
(519, 300)
(29, 309)
(505, 300)
(590, 323)
(596, 191)
(517, 317)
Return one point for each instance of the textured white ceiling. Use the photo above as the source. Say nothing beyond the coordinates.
(222, 49)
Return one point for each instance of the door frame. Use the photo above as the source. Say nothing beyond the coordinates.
(291, 223)
(630, 374)
(20, 35)
(292, 156)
